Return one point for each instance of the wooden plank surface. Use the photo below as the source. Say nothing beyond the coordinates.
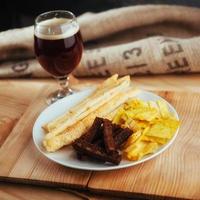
(175, 172)
(36, 169)
(14, 99)
(26, 164)
(10, 191)
(26, 192)
(190, 82)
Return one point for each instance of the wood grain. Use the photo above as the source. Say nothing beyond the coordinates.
(189, 82)
(25, 192)
(20, 161)
(14, 99)
(12, 94)
(174, 173)
(6, 126)
(9, 191)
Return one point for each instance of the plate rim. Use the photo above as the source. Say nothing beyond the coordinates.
(112, 167)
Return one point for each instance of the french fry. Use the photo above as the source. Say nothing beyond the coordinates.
(73, 132)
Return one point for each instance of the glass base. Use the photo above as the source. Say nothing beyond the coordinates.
(57, 95)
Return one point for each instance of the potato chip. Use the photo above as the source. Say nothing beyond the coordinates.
(152, 123)
(133, 138)
(154, 139)
(164, 112)
(159, 130)
(140, 149)
(141, 124)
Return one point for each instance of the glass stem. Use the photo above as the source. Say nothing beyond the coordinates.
(64, 84)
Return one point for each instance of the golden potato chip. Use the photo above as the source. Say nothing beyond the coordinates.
(163, 128)
(154, 139)
(163, 108)
(150, 148)
(134, 103)
(147, 114)
(140, 124)
(133, 138)
(117, 117)
(140, 149)
(152, 123)
(159, 130)
(135, 148)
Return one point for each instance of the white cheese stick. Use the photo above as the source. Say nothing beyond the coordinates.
(108, 83)
(89, 105)
(77, 130)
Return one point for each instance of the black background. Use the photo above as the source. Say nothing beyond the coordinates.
(20, 13)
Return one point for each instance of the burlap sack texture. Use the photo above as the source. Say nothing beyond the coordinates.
(150, 39)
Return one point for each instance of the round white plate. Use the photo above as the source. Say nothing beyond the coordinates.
(67, 156)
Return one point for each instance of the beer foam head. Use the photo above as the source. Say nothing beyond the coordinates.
(56, 28)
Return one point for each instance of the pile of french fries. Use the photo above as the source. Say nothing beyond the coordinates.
(103, 102)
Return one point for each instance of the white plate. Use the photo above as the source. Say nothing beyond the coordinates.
(67, 156)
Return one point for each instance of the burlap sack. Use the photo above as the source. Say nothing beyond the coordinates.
(131, 40)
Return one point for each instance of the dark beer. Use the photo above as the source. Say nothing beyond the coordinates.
(59, 54)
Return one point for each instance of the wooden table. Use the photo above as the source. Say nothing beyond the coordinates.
(10, 112)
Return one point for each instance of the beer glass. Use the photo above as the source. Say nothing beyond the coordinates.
(58, 47)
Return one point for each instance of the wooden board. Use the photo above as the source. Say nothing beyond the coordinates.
(13, 103)
(10, 191)
(174, 173)
(20, 161)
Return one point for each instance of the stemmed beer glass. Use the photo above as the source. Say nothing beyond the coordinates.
(58, 47)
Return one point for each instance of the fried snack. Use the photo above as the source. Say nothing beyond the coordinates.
(106, 148)
(101, 95)
(70, 134)
(133, 138)
(94, 132)
(152, 123)
(96, 152)
(59, 120)
(116, 128)
(122, 136)
(108, 136)
(140, 149)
